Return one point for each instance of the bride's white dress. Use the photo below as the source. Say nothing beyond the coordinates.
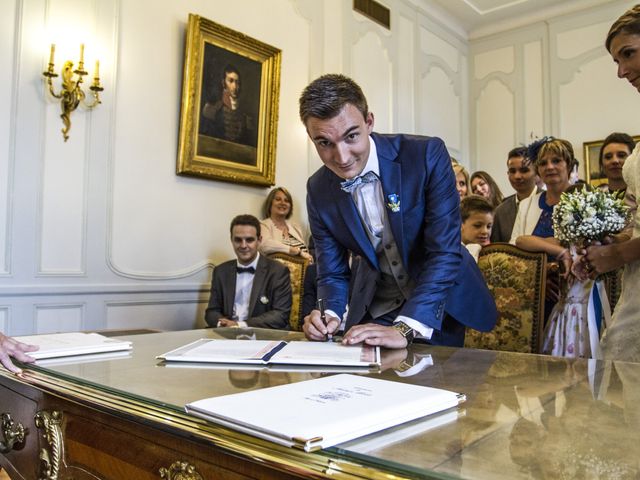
(621, 340)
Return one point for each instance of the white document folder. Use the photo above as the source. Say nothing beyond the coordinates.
(323, 412)
(73, 343)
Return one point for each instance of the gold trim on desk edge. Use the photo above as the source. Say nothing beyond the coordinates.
(313, 465)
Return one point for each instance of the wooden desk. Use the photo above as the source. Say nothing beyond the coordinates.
(526, 416)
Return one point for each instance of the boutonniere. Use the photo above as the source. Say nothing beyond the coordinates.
(264, 300)
(394, 202)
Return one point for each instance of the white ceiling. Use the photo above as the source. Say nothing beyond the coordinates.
(484, 17)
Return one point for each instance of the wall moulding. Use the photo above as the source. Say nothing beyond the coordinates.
(22, 291)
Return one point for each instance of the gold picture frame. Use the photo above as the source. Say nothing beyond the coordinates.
(591, 151)
(229, 116)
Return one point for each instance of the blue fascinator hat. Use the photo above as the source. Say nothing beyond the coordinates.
(534, 147)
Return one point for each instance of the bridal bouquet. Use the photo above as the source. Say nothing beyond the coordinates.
(583, 216)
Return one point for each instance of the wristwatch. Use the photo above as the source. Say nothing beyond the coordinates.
(406, 331)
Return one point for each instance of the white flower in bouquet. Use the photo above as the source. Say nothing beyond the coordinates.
(584, 216)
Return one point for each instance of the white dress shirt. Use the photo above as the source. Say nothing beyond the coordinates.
(244, 284)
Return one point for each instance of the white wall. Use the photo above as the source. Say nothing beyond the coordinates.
(549, 78)
(99, 232)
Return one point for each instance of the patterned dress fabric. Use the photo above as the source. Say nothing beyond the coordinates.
(567, 331)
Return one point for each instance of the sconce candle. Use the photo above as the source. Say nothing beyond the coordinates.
(71, 94)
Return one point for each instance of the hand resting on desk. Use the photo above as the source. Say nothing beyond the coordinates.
(18, 350)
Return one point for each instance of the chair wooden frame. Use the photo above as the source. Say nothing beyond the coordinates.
(297, 285)
(539, 260)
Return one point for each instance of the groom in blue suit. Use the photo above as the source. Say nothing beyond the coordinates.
(390, 202)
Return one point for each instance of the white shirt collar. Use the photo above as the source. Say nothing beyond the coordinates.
(373, 164)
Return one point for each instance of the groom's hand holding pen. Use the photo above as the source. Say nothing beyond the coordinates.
(319, 325)
(323, 317)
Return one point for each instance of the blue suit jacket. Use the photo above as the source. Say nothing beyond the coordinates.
(426, 228)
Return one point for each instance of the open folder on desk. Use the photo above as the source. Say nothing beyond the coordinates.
(265, 352)
(323, 412)
(73, 343)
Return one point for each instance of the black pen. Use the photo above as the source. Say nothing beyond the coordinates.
(323, 317)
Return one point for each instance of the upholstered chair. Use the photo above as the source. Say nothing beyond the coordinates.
(297, 268)
(516, 279)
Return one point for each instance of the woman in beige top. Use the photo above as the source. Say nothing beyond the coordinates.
(279, 235)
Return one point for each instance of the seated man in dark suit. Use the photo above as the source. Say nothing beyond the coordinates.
(253, 290)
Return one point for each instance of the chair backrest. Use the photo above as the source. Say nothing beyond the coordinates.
(297, 269)
(516, 279)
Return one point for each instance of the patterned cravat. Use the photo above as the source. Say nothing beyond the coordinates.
(245, 270)
(350, 185)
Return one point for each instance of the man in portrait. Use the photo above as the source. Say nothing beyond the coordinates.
(226, 118)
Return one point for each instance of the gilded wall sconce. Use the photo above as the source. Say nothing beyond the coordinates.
(71, 94)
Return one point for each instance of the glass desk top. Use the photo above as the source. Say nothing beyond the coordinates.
(526, 416)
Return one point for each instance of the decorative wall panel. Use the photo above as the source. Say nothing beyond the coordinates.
(406, 79)
(156, 314)
(433, 45)
(64, 175)
(576, 41)
(163, 226)
(372, 69)
(498, 60)
(495, 126)
(4, 319)
(8, 27)
(59, 317)
(440, 115)
(533, 90)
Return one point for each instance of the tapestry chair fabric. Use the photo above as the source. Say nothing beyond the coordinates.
(516, 279)
(297, 269)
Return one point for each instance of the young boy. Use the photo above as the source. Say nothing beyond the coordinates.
(477, 220)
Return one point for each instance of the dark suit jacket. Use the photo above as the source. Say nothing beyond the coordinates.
(310, 290)
(503, 219)
(271, 283)
(426, 228)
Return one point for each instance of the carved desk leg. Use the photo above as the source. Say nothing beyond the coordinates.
(180, 471)
(51, 454)
(13, 434)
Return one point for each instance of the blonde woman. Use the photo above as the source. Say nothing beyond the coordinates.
(462, 180)
(279, 234)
